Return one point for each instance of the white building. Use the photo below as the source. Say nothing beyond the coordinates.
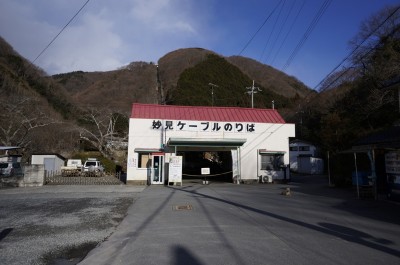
(51, 162)
(304, 158)
(236, 144)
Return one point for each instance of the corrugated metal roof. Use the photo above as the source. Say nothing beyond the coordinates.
(222, 114)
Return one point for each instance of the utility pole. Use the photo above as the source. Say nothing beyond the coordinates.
(252, 91)
(212, 92)
(159, 88)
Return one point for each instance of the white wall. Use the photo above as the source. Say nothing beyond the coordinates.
(310, 165)
(295, 154)
(273, 137)
(39, 160)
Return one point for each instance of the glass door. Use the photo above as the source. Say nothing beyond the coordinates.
(157, 176)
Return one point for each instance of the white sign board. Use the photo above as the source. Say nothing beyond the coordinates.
(175, 169)
(205, 171)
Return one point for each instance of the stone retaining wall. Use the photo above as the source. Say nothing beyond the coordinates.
(33, 176)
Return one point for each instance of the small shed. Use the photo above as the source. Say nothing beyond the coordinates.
(383, 151)
(304, 158)
(51, 162)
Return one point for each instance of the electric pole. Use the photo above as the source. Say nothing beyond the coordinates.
(212, 92)
(252, 90)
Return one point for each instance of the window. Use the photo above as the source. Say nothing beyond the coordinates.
(144, 160)
(293, 148)
(304, 148)
(271, 161)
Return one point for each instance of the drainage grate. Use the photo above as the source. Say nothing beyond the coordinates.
(182, 207)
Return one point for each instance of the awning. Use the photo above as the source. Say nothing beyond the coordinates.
(270, 152)
(9, 147)
(148, 150)
(208, 142)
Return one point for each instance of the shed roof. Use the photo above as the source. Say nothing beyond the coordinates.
(49, 154)
(203, 113)
(389, 138)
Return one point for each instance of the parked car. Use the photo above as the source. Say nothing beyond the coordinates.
(93, 165)
(10, 169)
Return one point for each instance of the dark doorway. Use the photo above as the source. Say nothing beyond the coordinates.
(219, 163)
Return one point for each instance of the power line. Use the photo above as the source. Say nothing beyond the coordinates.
(310, 28)
(290, 30)
(353, 51)
(258, 30)
(273, 30)
(51, 42)
(280, 30)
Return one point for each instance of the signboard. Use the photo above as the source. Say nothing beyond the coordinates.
(205, 171)
(392, 160)
(175, 169)
(203, 126)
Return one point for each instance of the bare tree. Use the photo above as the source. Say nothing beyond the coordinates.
(98, 127)
(20, 116)
(375, 45)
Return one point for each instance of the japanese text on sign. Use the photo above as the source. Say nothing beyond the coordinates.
(204, 126)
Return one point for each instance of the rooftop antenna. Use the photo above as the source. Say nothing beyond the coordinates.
(252, 90)
(212, 92)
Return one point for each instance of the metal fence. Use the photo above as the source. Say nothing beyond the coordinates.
(83, 178)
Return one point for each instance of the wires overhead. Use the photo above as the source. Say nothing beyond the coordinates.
(258, 30)
(290, 29)
(273, 29)
(51, 42)
(352, 53)
(309, 30)
(278, 33)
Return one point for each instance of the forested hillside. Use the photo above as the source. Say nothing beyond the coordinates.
(230, 87)
(32, 108)
(66, 112)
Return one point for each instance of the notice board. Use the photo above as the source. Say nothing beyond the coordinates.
(175, 169)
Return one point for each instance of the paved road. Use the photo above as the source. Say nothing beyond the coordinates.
(253, 224)
(44, 225)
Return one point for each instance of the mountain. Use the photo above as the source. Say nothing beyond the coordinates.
(46, 113)
(115, 90)
(34, 110)
(149, 83)
(18, 77)
(270, 78)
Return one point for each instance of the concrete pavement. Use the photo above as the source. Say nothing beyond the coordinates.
(253, 224)
(59, 224)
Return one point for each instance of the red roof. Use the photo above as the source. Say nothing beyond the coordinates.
(222, 114)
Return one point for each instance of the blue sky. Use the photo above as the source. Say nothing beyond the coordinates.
(109, 34)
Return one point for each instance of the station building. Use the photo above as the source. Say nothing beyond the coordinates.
(237, 145)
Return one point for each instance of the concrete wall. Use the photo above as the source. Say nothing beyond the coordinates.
(33, 176)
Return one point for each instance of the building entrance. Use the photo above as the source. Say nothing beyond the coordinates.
(157, 172)
(218, 162)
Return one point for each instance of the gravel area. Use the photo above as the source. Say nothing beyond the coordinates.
(59, 224)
